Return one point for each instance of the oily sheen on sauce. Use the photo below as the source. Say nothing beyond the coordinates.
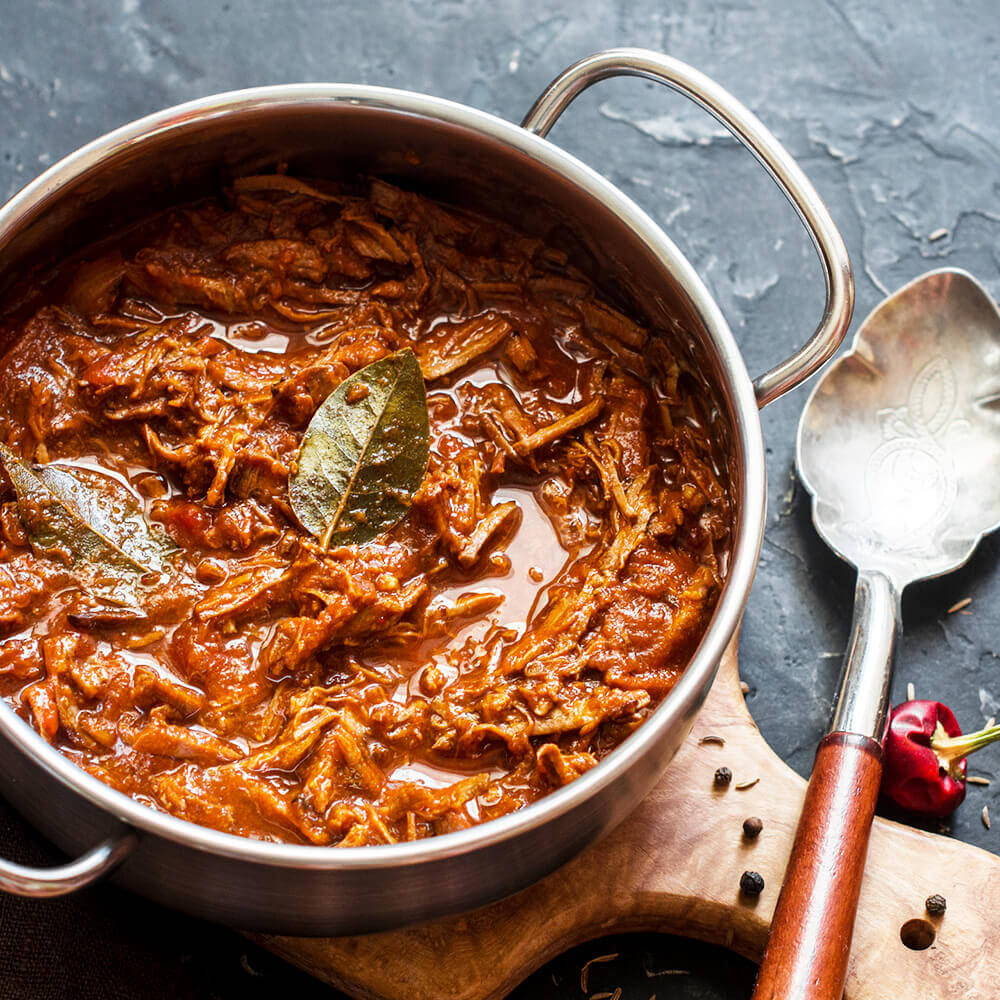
(540, 596)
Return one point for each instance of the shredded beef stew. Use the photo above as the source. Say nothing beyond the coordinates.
(170, 625)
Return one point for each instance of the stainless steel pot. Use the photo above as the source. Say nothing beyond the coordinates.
(469, 157)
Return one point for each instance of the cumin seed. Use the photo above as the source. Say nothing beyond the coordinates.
(716, 740)
(958, 605)
(744, 785)
(986, 817)
(585, 971)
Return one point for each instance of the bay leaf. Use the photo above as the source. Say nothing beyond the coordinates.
(88, 524)
(110, 510)
(364, 453)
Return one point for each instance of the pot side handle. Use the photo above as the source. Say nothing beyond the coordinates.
(42, 883)
(785, 172)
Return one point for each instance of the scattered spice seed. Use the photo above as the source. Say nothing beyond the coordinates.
(752, 826)
(938, 234)
(975, 779)
(608, 996)
(958, 605)
(936, 905)
(722, 777)
(716, 740)
(986, 817)
(744, 785)
(247, 967)
(751, 883)
(911, 693)
(653, 973)
(585, 971)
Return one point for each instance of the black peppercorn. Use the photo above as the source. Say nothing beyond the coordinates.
(752, 826)
(751, 883)
(936, 905)
(723, 776)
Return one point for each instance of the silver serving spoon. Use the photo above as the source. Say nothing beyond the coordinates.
(899, 444)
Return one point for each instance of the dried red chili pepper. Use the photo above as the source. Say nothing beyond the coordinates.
(924, 763)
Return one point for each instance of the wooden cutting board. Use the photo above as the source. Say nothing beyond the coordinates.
(674, 865)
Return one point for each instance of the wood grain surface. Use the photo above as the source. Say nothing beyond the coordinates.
(674, 865)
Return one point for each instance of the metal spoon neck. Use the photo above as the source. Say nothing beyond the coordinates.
(862, 704)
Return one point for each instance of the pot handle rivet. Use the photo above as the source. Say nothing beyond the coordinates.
(60, 880)
(785, 172)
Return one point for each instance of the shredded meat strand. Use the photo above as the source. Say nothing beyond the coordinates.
(549, 583)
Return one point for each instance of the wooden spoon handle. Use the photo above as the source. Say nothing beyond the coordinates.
(810, 940)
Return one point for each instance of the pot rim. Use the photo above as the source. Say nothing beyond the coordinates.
(684, 699)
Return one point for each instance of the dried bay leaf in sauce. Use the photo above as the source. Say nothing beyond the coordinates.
(88, 526)
(113, 514)
(364, 454)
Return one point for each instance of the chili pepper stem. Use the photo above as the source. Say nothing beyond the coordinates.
(951, 749)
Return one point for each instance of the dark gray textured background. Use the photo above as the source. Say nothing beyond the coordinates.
(892, 111)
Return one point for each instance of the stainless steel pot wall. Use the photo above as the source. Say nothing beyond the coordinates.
(473, 158)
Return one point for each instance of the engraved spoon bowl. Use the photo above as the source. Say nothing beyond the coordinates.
(899, 443)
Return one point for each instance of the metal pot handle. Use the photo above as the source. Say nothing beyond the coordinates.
(785, 172)
(42, 883)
